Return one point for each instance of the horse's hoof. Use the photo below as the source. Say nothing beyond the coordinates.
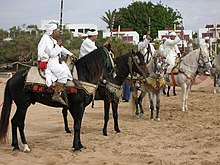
(174, 94)
(105, 134)
(16, 149)
(158, 119)
(26, 148)
(117, 131)
(68, 131)
(76, 149)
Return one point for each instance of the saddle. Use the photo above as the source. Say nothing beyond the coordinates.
(36, 82)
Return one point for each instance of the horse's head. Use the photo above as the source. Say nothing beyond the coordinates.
(155, 66)
(136, 63)
(204, 60)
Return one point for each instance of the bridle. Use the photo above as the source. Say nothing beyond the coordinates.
(135, 61)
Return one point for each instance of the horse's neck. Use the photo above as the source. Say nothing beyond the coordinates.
(189, 63)
(122, 73)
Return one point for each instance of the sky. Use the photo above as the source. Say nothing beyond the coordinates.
(196, 13)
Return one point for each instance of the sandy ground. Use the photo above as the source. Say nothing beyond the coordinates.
(191, 137)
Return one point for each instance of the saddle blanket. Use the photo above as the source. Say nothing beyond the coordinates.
(36, 82)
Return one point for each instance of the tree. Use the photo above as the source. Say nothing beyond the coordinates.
(110, 18)
(142, 17)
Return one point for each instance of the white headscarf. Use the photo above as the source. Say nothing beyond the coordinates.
(92, 33)
(50, 28)
(172, 34)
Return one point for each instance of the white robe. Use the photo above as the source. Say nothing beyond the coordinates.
(142, 47)
(48, 51)
(171, 49)
(86, 47)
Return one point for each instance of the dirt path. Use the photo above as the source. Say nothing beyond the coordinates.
(191, 137)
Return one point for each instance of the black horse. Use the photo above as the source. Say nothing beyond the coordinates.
(109, 87)
(90, 69)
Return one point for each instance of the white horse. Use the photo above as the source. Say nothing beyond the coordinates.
(187, 71)
(215, 72)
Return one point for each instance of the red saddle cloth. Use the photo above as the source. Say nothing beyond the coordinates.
(40, 88)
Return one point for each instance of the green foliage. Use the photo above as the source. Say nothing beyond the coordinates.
(142, 17)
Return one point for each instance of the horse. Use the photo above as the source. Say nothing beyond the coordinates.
(215, 73)
(109, 88)
(153, 85)
(187, 70)
(90, 69)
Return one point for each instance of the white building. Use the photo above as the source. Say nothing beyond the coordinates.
(211, 31)
(80, 29)
(125, 35)
(76, 29)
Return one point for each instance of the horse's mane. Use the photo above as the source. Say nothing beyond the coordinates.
(90, 67)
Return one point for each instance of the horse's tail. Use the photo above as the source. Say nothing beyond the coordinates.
(5, 114)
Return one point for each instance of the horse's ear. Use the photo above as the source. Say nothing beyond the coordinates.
(132, 51)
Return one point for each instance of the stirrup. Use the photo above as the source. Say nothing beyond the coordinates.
(59, 100)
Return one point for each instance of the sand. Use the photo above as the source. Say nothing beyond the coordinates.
(191, 137)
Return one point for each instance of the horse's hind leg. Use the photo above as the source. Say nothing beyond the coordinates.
(106, 117)
(21, 129)
(158, 107)
(65, 113)
(18, 122)
(151, 96)
(140, 100)
(174, 91)
(115, 116)
(214, 82)
(168, 91)
(14, 125)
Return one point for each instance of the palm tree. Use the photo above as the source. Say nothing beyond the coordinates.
(110, 18)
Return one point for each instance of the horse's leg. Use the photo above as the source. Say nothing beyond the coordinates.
(21, 129)
(151, 97)
(168, 91)
(115, 116)
(187, 93)
(214, 81)
(77, 112)
(164, 90)
(14, 125)
(183, 89)
(140, 100)
(174, 91)
(158, 106)
(65, 113)
(106, 116)
(218, 79)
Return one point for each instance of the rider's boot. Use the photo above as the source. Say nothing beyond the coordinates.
(57, 93)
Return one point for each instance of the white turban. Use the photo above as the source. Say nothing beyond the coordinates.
(206, 38)
(92, 33)
(172, 34)
(144, 37)
(164, 38)
(50, 28)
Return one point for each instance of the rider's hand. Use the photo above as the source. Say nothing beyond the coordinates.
(60, 42)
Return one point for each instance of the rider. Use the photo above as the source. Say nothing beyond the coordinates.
(88, 45)
(172, 51)
(145, 47)
(49, 51)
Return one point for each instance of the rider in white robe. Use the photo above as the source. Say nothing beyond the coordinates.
(49, 51)
(143, 47)
(88, 45)
(172, 50)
